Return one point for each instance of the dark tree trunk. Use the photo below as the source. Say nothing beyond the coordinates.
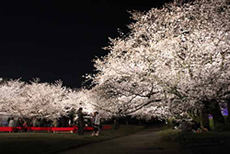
(170, 122)
(218, 119)
(228, 117)
(140, 122)
(205, 118)
(127, 120)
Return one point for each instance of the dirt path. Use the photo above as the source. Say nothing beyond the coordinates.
(140, 143)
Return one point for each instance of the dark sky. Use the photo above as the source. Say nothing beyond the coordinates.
(55, 39)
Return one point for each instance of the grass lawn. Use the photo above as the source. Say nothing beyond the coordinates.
(192, 143)
(48, 143)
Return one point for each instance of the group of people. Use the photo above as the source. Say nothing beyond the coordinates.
(193, 126)
(95, 121)
(19, 123)
(25, 122)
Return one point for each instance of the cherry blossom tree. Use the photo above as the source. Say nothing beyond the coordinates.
(177, 55)
(11, 96)
(174, 61)
(80, 98)
(42, 100)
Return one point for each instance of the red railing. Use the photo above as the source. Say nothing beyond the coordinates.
(7, 129)
(41, 128)
(74, 128)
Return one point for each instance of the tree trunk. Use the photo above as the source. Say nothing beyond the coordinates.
(140, 122)
(205, 118)
(218, 119)
(228, 117)
(126, 120)
(169, 122)
(195, 114)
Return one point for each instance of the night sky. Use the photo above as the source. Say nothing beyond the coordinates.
(55, 40)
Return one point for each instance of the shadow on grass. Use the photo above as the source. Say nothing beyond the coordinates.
(196, 143)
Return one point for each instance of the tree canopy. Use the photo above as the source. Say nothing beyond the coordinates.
(174, 59)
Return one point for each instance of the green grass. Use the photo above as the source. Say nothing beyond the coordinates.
(201, 143)
(167, 141)
(48, 143)
(226, 126)
(211, 124)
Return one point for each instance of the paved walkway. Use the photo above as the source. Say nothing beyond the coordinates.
(140, 143)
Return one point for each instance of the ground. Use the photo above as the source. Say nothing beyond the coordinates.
(49, 143)
(129, 139)
(160, 140)
(140, 143)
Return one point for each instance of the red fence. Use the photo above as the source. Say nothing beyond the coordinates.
(53, 129)
(73, 129)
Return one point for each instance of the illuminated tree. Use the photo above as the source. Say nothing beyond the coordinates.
(80, 98)
(178, 56)
(42, 100)
(11, 96)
